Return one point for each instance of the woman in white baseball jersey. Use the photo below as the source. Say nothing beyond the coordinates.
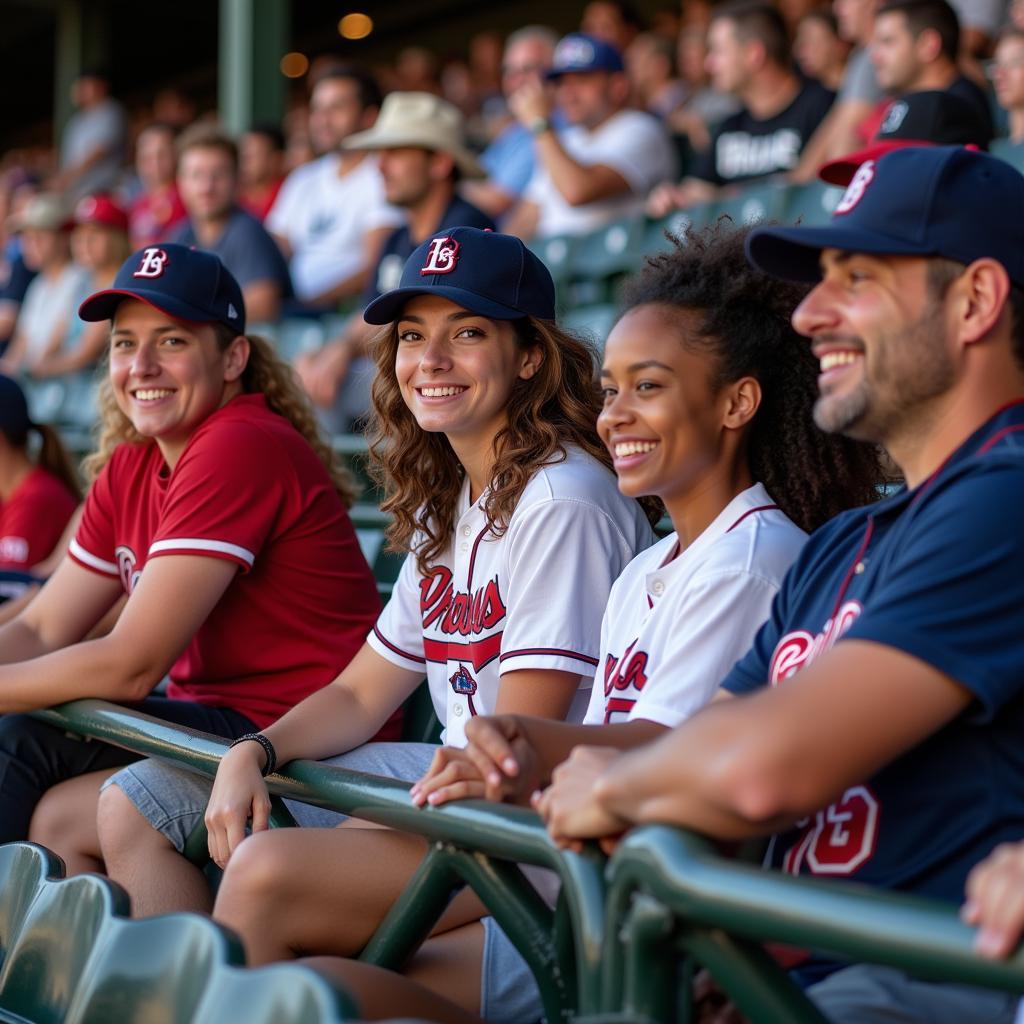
(503, 495)
(708, 397)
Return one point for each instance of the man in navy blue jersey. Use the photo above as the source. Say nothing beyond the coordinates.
(874, 730)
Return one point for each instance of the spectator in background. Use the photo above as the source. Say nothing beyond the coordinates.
(819, 50)
(1008, 78)
(92, 147)
(158, 208)
(650, 62)
(208, 182)
(99, 244)
(260, 168)
(51, 301)
(916, 46)
(615, 21)
(417, 69)
(748, 56)
(859, 92)
(37, 496)
(510, 160)
(16, 274)
(600, 167)
(706, 107)
(330, 217)
(423, 157)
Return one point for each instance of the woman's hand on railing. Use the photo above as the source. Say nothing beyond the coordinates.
(239, 794)
(995, 900)
(452, 775)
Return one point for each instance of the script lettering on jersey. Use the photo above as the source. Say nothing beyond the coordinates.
(842, 837)
(629, 670)
(457, 612)
(800, 648)
(126, 562)
(740, 154)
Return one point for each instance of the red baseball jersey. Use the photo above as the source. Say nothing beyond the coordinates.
(33, 519)
(250, 489)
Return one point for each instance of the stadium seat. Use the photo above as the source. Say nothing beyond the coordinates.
(592, 322)
(811, 204)
(1011, 152)
(605, 256)
(295, 336)
(23, 869)
(51, 952)
(558, 254)
(753, 205)
(675, 223)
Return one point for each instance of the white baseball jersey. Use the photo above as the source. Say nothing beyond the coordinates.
(530, 599)
(677, 623)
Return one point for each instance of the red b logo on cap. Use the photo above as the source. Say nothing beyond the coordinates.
(858, 186)
(152, 265)
(442, 256)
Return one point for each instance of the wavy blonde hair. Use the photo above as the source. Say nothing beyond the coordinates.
(420, 473)
(264, 373)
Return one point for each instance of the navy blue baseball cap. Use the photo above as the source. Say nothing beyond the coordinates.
(920, 201)
(15, 421)
(577, 52)
(485, 272)
(185, 283)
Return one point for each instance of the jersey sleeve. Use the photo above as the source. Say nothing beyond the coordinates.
(952, 594)
(712, 627)
(93, 546)
(564, 555)
(398, 634)
(594, 714)
(225, 496)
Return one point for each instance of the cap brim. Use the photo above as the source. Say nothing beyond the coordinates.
(388, 307)
(841, 171)
(103, 305)
(793, 254)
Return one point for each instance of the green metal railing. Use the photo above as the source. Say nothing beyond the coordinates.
(471, 842)
(670, 896)
(623, 939)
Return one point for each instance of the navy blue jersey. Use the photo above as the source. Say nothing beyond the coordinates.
(936, 572)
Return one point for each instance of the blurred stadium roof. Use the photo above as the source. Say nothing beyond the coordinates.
(150, 46)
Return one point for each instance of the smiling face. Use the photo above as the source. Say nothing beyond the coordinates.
(456, 369)
(168, 376)
(879, 334)
(662, 419)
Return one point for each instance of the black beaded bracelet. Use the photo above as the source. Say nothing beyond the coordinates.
(268, 749)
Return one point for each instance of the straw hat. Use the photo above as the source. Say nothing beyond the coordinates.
(423, 120)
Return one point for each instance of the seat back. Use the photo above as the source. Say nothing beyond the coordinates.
(51, 951)
(24, 868)
(159, 968)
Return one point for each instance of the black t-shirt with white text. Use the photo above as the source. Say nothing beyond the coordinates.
(745, 147)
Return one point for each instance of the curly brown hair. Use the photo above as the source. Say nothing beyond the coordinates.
(264, 373)
(745, 326)
(420, 473)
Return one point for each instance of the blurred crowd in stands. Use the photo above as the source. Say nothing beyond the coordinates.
(532, 134)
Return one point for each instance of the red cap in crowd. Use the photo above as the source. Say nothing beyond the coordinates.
(101, 209)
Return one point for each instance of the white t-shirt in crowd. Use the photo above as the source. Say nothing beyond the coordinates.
(326, 218)
(633, 143)
(51, 304)
(676, 624)
(530, 599)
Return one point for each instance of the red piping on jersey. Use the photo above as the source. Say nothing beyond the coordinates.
(397, 650)
(996, 438)
(554, 651)
(676, 549)
(750, 512)
(472, 558)
(853, 565)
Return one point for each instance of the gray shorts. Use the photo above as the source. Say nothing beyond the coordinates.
(174, 800)
(869, 994)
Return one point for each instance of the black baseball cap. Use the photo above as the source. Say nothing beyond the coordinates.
(931, 117)
(485, 272)
(921, 201)
(185, 283)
